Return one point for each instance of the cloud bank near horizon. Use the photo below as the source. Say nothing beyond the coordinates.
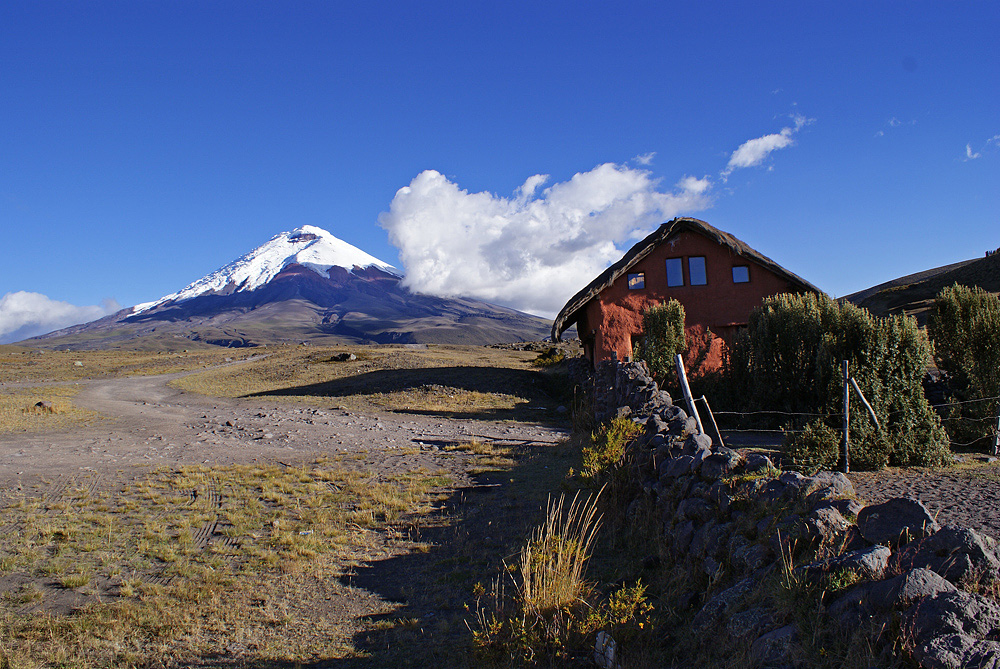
(24, 314)
(534, 249)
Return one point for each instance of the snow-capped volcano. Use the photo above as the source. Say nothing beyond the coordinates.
(309, 246)
(301, 286)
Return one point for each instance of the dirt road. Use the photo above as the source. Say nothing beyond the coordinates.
(148, 424)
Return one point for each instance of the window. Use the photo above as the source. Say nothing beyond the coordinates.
(741, 274)
(637, 281)
(696, 270)
(675, 272)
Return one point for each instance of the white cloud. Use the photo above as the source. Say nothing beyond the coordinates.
(534, 250)
(988, 146)
(754, 151)
(894, 123)
(24, 314)
(646, 158)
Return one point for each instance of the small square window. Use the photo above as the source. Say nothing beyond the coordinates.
(637, 281)
(741, 274)
(675, 272)
(696, 270)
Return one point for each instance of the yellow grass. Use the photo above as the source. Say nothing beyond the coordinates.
(383, 377)
(280, 533)
(28, 366)
(18, 412)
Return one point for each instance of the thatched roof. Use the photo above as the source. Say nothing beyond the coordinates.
(568, 315)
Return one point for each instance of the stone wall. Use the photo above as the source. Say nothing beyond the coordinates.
(739, 523)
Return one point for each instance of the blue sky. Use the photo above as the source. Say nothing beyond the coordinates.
(145, 144)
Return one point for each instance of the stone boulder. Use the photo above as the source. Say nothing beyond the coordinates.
(954, 612)
(896, 522)
(868, 562)
(724, 462)
(955, 553)
(958, 651)
(876, 597)
(677, 466)
(901, 591)
(724, 603)
(751, 623)
(773, 648)
(696, 509)
(825, 525)
(756, 462)
(826, 487)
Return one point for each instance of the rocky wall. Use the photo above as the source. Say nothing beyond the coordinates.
(739, 521)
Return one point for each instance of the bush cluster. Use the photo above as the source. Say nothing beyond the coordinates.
(789, 360)
(663, 338)
(965, 328)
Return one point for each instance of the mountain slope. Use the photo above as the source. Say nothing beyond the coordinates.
(914, 294)
(301, 286)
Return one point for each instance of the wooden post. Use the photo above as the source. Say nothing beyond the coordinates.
(846, 444)
(864, 400)
(686, 391)
(996, 437)
(711, 419)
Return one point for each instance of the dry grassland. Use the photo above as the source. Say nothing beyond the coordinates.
(24, 371)
(18, 412)
(268, 565)
(453, 380)
(183, 563)
(21, 365)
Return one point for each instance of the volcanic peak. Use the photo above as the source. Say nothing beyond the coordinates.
(309, 246)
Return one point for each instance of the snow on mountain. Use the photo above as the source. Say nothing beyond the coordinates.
(308, 246)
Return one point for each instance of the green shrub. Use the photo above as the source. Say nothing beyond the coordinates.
(606, 448)
(815, 448)
(965, 328)
(551, 356)
(663, 338)
(789, 360)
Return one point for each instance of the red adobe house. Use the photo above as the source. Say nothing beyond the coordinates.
(718, 279)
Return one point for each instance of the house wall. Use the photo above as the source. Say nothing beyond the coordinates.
(614, 317)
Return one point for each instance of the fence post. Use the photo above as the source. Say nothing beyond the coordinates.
(711, 418)
(686, 390)
(864, 400)
(846, 444)
(996, 437)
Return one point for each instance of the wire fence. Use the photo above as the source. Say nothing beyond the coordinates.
(988, 421)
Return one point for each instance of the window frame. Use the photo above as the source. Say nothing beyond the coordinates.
(743, 267)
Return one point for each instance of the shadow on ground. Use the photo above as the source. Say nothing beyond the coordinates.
(540, 391)
(472, 535)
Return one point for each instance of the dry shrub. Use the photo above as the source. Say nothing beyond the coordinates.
(554, 559)
(553, 615)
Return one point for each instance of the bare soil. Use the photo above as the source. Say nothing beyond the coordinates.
(967, 495)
